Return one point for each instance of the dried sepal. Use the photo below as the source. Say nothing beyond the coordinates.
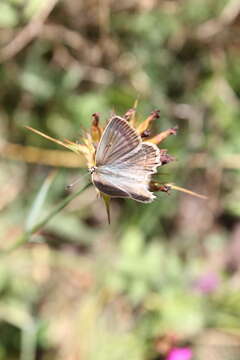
(59, 142)
(186, 191)
(163, 135)
(157, 186)
(77, 148)
(133, 117)
(130, 116)
(96, 130)
(165, 157)
(146, 124)
(90, 151)
(145, 134)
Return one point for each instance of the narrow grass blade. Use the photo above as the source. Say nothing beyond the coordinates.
(38, 203)
(24, 238)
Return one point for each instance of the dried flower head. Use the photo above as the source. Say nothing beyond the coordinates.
(90, 141)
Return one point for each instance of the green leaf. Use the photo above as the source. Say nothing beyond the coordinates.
(8, 16)
(39, 201)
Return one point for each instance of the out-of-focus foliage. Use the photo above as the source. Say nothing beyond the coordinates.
(162, 275)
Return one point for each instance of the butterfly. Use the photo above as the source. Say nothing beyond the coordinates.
(124, 163)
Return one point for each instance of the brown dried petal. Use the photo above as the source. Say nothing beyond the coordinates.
(165, 158)
(96, 130)
(130, 115)
(163, 135)
(156, 186)
(145, 134)
(147, 123)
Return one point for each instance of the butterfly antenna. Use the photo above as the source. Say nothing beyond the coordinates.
(70, 186)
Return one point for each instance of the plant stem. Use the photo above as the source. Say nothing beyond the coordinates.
(24, 238)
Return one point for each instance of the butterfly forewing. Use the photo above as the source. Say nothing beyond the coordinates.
(117, 141)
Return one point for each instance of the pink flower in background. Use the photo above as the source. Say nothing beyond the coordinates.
(180, 354)
(207, 283)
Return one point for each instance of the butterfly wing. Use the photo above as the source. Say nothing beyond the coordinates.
(117, 141)
(118, 187)
(140, 164)
(129, 177)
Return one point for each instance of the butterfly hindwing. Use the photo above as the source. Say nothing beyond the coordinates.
(140, 164)
(118, 186)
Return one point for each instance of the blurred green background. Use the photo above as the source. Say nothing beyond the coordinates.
(163, 275)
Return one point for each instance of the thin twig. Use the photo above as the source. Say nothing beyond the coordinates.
(35, 155)
(214, 26)
(24, 238)
(66, 159)
(29, 32)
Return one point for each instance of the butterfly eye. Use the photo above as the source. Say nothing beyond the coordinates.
(92, 169)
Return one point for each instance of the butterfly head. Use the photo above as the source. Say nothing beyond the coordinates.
(92, 169)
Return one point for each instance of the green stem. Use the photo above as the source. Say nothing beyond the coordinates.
(24, 238)
(29, 341)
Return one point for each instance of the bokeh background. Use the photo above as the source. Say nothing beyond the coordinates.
(163, 280)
